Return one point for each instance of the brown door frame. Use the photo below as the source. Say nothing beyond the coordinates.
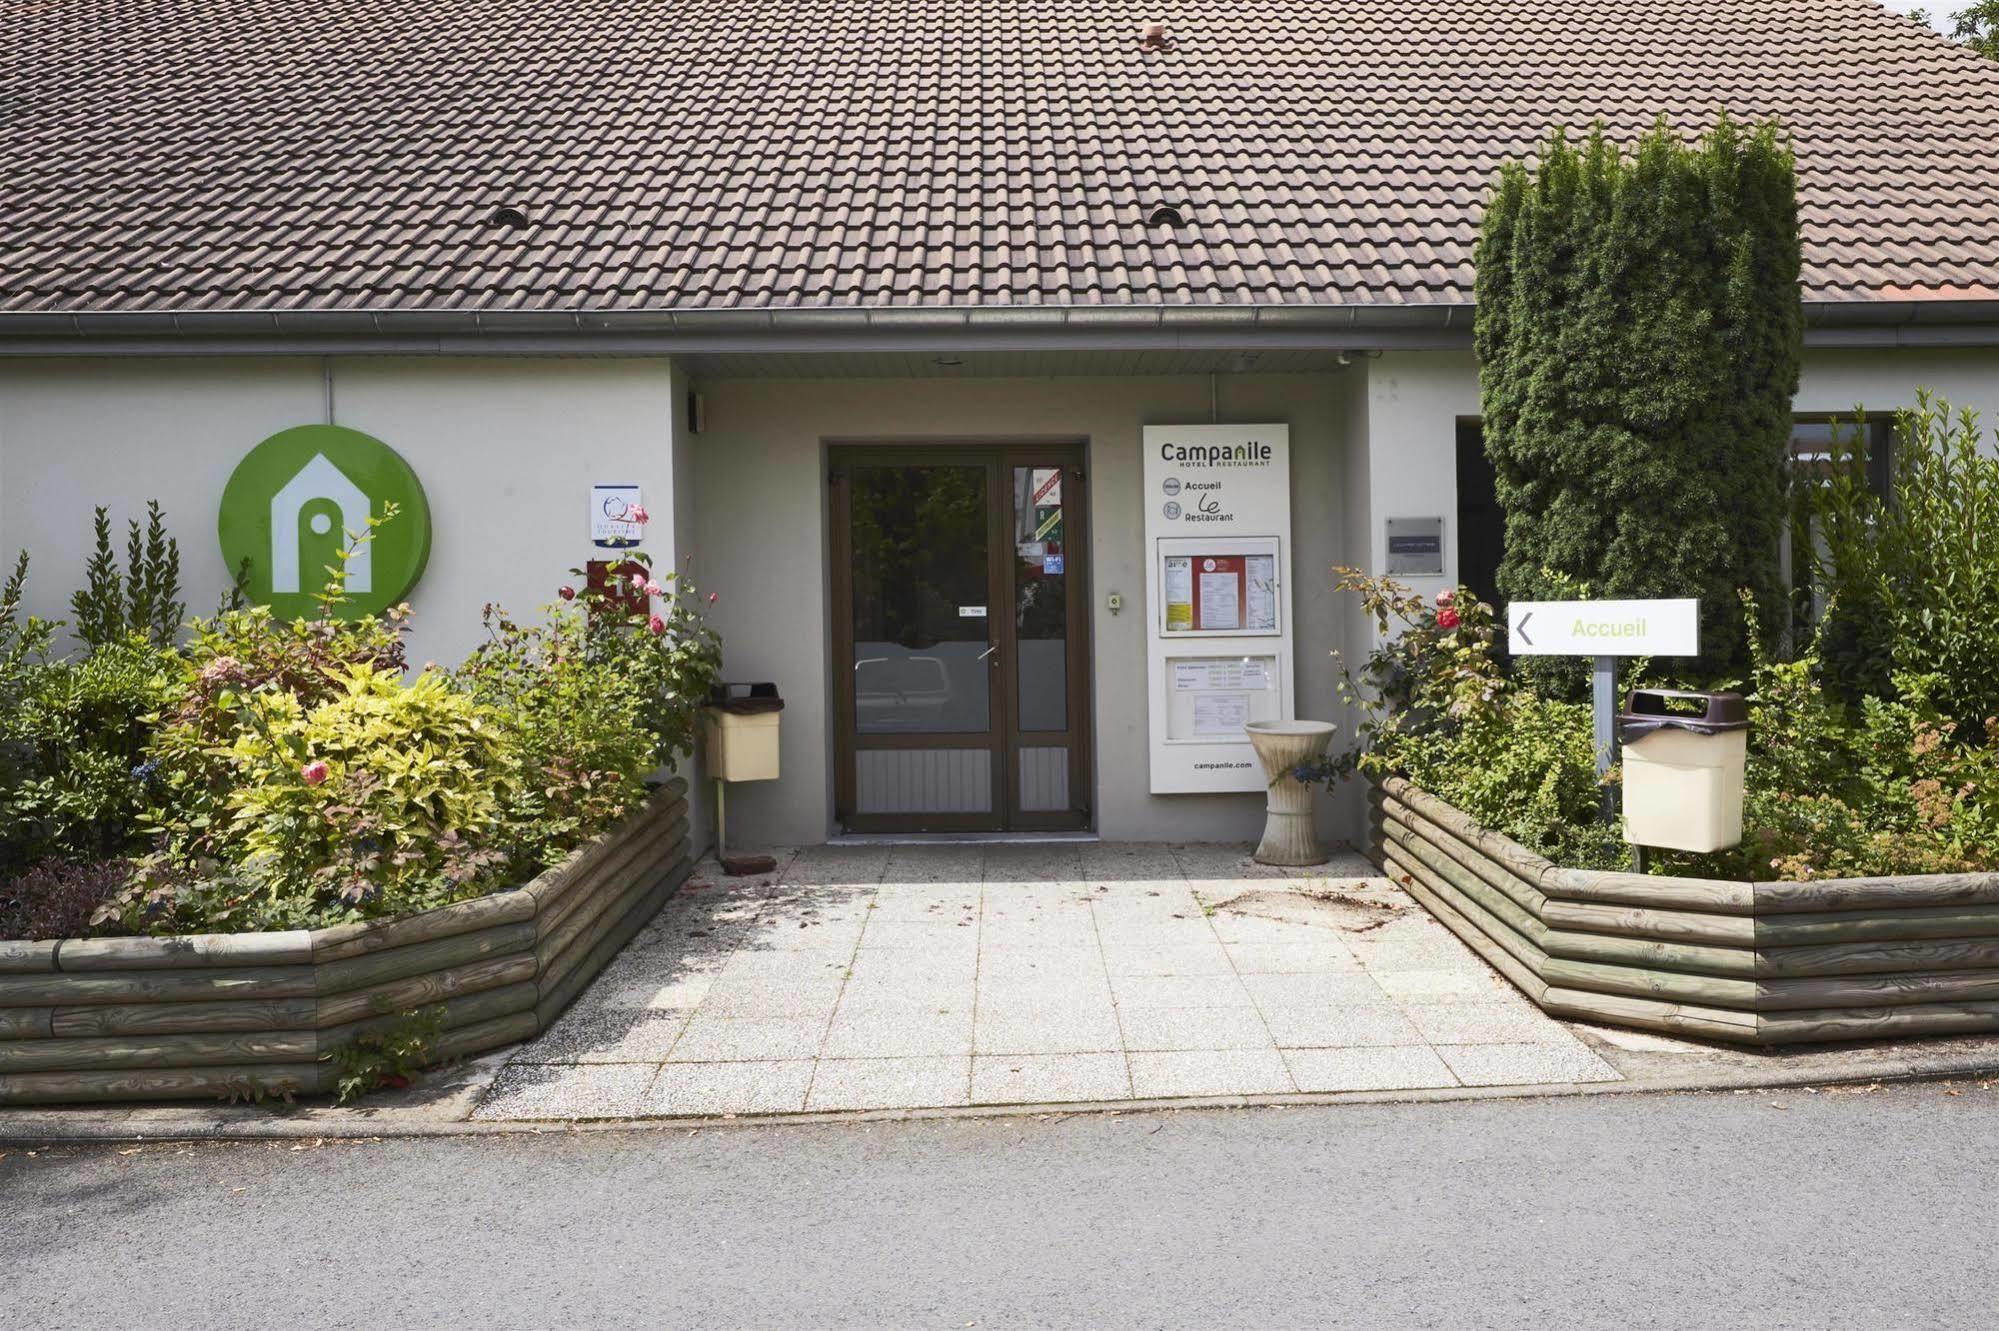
(1003, 737)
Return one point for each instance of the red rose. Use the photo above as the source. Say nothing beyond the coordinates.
(1447, 618)
(566, 593)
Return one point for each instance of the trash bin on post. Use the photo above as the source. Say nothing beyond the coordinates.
(1683, 759)
(740, 727)
(739, 731)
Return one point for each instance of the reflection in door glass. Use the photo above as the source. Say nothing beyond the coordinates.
(920, 586)
(1041, 598)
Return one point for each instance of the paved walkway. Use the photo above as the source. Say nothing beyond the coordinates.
(877, 977)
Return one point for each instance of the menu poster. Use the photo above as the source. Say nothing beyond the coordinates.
(1221, 714)
(1179, 593)
(1220, 593)
(1221, 674)
(1261, 575)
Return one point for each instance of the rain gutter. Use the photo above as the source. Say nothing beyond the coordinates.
(413, 332)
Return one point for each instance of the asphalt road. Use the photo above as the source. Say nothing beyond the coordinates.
(1784, 1209)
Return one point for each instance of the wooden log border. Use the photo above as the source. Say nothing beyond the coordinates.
(246, 1015)
(1762, 963)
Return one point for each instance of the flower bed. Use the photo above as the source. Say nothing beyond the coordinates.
(258, 1014)
(1761, 963)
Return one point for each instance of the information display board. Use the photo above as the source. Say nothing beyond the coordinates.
(1218, 533)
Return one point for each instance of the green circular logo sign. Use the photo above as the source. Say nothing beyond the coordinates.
(302, 496)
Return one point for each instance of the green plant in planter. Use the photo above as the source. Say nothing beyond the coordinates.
(1913, 577)
(575, 726)
(388, 1057)
(382, 800)
(144, 600)
(668, 652)
(1436, 709)
(79, 730)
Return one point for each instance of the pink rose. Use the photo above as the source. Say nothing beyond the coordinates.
(1447, 618)
(1446, 598)
(712, 596)
(566, 593)
(656, 624)
(315, 772)
(654, 589)
(639, 581)
(637, 513)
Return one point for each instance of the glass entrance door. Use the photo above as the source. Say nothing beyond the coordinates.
(961, 684)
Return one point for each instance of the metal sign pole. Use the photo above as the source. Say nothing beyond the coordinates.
(1604, 694)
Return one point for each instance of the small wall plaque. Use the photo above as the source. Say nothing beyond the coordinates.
(1416, 547)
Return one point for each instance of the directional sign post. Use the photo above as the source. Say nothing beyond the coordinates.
(1604, 630)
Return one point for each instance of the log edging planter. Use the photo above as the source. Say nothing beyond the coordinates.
(1763, 963)
(260, 1014)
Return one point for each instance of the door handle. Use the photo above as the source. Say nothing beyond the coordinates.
(988, 651)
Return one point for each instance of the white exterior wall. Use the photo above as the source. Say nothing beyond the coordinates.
(762, 540)
(506, 450)
(1415, 399)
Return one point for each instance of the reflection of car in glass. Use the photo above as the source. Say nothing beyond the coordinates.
(901, 693)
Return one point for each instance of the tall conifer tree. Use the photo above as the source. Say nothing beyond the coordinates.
(1638, 330)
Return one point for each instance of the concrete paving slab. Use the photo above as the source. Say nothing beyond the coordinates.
(890, 1083)
(899, 1030)
(1383, 1068)
(1182, 1028)
(729, 1088)
(1456, 984)
(1327, 1025)
(1151, 991)
(537, 1091)
(1314, 988)
(1484, 1023)
(1054, 1028)
(928, 935)
(1032, 1079)
(1296, 958)
(1210, 1072)
(1207, 958)
(748, 1039)
(1525, 1064)
(794, 997)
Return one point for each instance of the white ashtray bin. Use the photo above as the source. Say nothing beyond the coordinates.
(1282, 747)
(1684, 755)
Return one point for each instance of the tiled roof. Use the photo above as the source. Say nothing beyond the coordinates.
(700, 154)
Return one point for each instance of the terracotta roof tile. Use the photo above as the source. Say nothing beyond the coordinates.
(681, 154)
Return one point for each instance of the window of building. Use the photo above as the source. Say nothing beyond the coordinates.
(1816, 440)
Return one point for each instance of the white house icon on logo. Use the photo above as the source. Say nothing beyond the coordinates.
(318, 479)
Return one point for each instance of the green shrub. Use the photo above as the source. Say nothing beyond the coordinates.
(575, 727)
(1435, 708)
(382, 800)
(1912, 580)
(144, 600)
(669, 654)
(1638, 330)
(77, 732)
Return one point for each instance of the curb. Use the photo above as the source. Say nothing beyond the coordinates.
(83, 1126)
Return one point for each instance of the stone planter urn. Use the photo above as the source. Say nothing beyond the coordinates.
(1281, 746)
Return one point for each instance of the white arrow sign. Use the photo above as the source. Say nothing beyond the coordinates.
(1604, 628)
